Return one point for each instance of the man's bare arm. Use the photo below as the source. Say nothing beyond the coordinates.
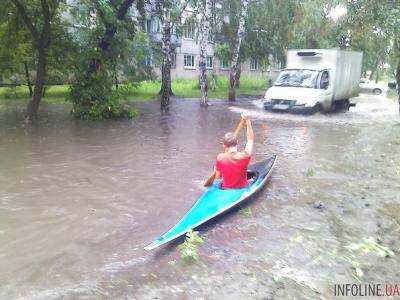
(250, 137)
(215, 175)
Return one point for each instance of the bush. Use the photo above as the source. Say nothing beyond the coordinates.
(94, 98)
(10, 93)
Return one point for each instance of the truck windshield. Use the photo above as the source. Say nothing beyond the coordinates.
(297, 78)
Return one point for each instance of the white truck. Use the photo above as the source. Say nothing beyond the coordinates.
(315, 80)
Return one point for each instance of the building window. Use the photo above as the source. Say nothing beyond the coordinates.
(188, 61)
(209, 62)
(189, 30)
(254, 64)
(148, 61)
(146, 25)
(224, 64)
(156, 25)
(210, 38)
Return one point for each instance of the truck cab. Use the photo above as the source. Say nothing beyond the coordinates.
(300, 90)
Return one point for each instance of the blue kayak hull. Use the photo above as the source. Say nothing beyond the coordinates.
(216, 201)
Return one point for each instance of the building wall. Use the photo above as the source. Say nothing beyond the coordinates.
(190, 46)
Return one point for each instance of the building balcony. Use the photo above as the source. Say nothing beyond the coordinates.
(176, 41)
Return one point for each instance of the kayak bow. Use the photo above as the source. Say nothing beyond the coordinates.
(215, 201)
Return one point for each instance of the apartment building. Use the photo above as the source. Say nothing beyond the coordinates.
(186, 53)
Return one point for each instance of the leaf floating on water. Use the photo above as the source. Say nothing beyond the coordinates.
(246, 211)
(172, 262)
(188, 250)
(276, 278)
(359, 273)
(298, 238)
(310, 172)
(370, 245)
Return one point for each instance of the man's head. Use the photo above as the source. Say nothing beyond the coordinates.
(229, 140)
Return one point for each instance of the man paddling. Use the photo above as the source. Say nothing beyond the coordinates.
(231, 165)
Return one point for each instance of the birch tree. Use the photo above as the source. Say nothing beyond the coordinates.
(236, 50)
(170, 13)
(204, 34)
(166, 90)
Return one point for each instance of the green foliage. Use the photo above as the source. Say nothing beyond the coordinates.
(17, 45)
(269, 26)
(312, 27)
(10, 93)
(148, 89)
(369, 245)
(104, 49)
(188, 250)
(246, 211)
(372, 26)
(223, 50)
(310, 172)
(95, 99)
(355, 250)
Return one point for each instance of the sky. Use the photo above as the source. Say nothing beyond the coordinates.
(337, 12)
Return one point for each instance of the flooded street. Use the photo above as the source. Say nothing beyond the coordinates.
(79, 201)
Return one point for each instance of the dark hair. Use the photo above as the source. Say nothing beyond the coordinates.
(229, 140)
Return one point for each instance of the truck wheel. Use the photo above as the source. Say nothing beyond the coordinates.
(346, 105)
(377, 91)
(341, 105)
(317, 108)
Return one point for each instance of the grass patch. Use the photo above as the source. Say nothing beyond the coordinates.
(148, 90)
(53, 94)
(392, 94)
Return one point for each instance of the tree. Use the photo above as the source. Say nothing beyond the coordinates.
(396, 50)
(206, 6)
(312, 25)
(38, 19)
(105, 38)
(374, 28)
(16, 53)
(166, 90)
(170, 13)
(236, 50)
(268, 30)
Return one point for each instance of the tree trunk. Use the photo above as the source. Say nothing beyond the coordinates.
(33, 105)
(239, 72)
(205, 30)
(398, 80)
(28, 79)
(106, 40)
(372, 74)
(235, 58)
(166, 90)
(42, 40)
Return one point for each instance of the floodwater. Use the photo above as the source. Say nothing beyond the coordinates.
(79, 201)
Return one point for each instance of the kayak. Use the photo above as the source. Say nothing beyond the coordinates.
(216, 201)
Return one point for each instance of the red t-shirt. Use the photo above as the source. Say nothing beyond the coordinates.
(233, 171)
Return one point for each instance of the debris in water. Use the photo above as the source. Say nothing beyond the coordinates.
(318, 205)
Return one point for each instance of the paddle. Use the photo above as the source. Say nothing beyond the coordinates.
(211, 179)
